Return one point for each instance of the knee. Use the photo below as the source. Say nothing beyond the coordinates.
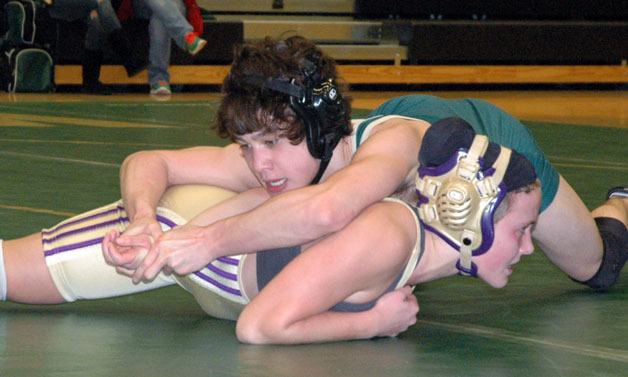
(615, 240)
(613, 208)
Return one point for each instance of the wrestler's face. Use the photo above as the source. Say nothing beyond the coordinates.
(277, 164)
(513, 239)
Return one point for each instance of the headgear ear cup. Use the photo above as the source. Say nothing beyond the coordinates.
(462, 179)
(454, 204)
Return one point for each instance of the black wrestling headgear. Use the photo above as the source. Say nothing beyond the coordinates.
(318, 105)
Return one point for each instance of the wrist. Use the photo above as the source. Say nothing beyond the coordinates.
(142, 212)
(211, 241)
(374, 320)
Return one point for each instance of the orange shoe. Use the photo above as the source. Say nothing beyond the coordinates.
(194, 43)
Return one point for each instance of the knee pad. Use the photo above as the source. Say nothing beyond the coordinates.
(3, 276)
(615, 240)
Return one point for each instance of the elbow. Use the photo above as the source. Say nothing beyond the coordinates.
(249, 334)
(330, 213)
(144, 157)
(256, 327)
(251, 331)
(133, 158)
(153, 161)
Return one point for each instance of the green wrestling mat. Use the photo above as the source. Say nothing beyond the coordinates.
(62, 158)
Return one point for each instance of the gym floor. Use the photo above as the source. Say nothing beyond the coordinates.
(60, 155)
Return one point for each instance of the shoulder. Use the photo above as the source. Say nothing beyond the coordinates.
(365, 129)
(394, 222)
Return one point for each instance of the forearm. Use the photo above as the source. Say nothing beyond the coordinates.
(289, 322)
(237, 204)
(325, 327)
(294, 218)
(306, 214)
(294, 306)
(143, 180)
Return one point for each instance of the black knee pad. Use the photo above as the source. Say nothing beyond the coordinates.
(615, 240)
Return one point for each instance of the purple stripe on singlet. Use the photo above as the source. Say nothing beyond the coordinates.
(86, 229)
(166, 221)
(48, 239)
(218, 284)
(91, 242)
(227, 260)
(73, 246)
(88, 218)
(224, 274)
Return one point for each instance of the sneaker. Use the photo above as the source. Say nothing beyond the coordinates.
(194, 43)
(617, 192)
(161, 88)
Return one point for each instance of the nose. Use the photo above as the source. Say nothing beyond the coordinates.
(527, 246)
(261, 160)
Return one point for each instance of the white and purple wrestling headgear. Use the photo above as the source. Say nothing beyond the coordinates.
(462, 180)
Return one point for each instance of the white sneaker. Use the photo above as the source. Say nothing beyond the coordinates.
(162, 88)
(617, 192)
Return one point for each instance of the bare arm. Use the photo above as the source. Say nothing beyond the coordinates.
(302, 215)
(393, 314)
(146, 175)
(299, 216)
(356, 264)
(127, 252)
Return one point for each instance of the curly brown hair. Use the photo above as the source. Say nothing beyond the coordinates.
(247, 108)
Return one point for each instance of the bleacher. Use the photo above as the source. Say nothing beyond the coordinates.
(407, 41)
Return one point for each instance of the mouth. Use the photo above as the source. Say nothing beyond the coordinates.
(277, 185)
(511, 267)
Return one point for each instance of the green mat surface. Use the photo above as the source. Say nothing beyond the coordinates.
(58, 159)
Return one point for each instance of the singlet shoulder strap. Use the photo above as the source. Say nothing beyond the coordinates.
(362, 127)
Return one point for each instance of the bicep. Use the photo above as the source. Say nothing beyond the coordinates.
(218, 166)
(382, 162)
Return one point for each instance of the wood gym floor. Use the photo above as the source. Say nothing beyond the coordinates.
(60, 155)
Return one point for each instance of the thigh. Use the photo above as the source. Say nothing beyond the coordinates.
(567, 234)
(28, 278)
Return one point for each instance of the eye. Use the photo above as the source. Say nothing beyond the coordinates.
(245, 147)
(271, 142)
(524, 230)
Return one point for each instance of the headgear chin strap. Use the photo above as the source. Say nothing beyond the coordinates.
(319, 106)
(457, 200)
